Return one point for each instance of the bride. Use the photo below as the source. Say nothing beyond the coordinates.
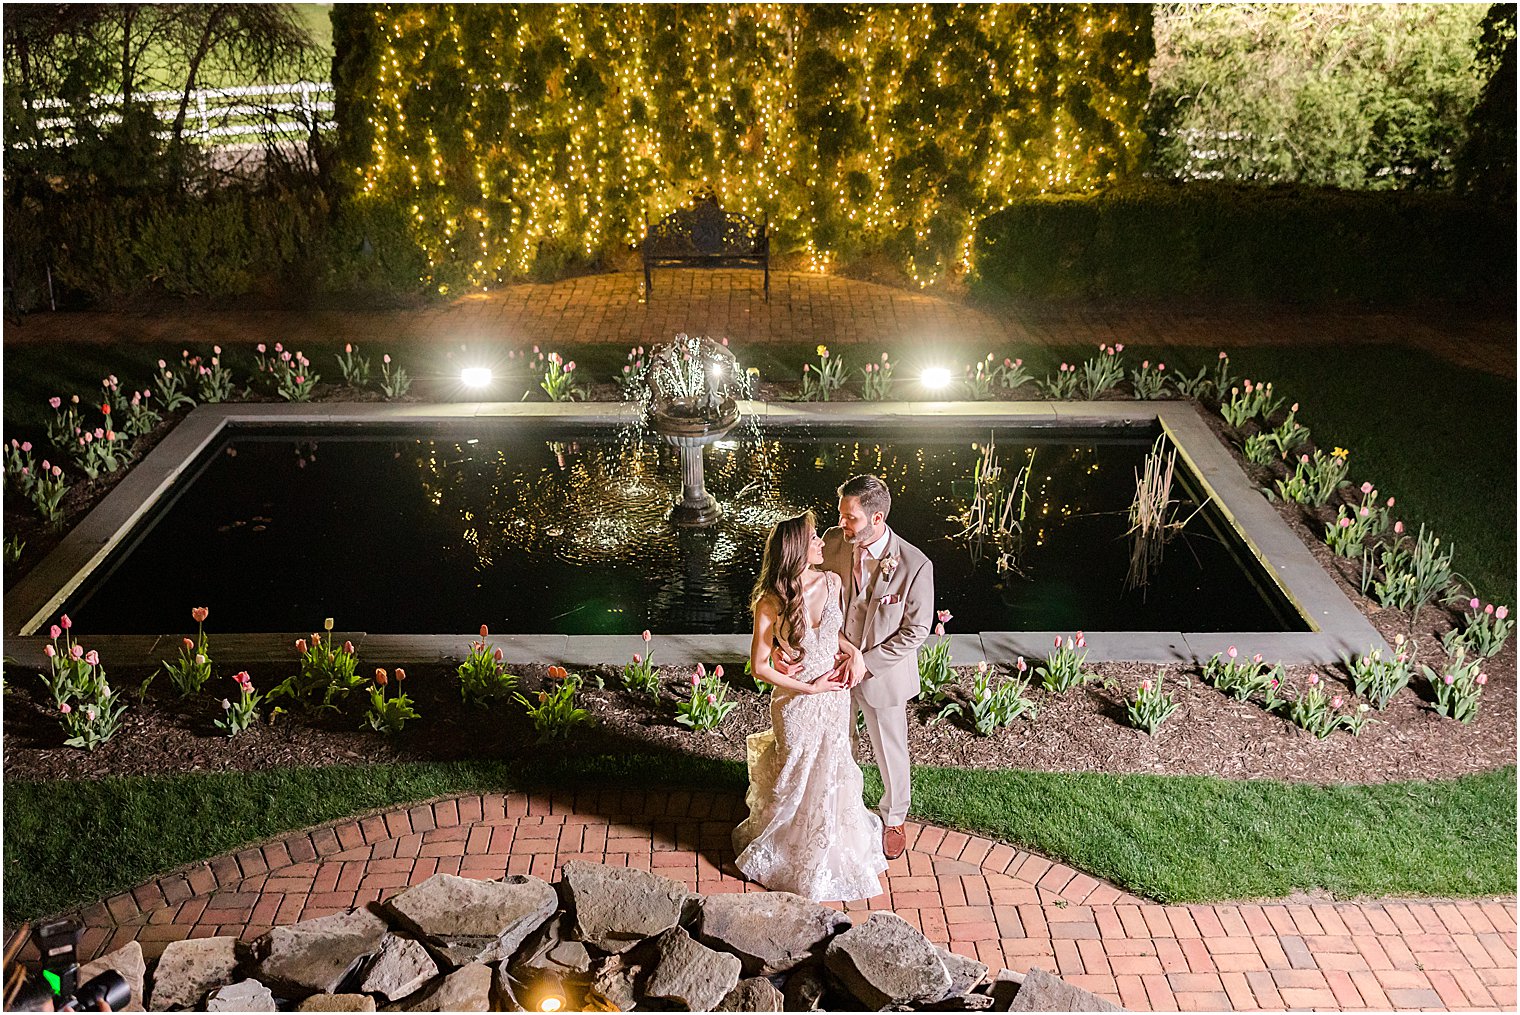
(808, 830)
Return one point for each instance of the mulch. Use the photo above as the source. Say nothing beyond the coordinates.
(1083, 730)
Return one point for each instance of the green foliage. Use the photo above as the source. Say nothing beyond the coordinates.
(1459, 690)
(934, 672)
(708, 705)
(1064, 669)
(832, 120)
(1345, 95)
(1378, 679)
(387, 713)
(1223, 241)
(1485, 165)
(555, 714)
(994, 704)
(327, 674)
(1150, 707)
(482, 677)
(240, 713)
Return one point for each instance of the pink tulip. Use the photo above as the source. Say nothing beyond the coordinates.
(1364, 512)
(1256, 658)
(1021, 665)
(1145, 685)
(484, 631)
(1473, 604)
(1081, 640)
(1344, 523)
(76, 652)
(54, 632)
(55, 402)
(718, 670)
(301, 645)
(1398, 528)
(200, 660)
(1058, 641)
(712, 699)
(1481, 679)
(944, 616)
(26, 446)
(1145, 364)
(646, 636)
(1448, 680)
(1119, 347)
(497, 655)
(637, 659)
(1337, 701)
(347, 347)
(386, 358)
(348, 647)
(1160, 367)
(1501, 612)
(939, 629)
(569, 366)
(64, 708)
(1489, 609)
(1366, 487)
(701, 670)
(259, 347)
(300, 379)
(65, 621)
(49, 651)
(1313, 679)
(695, 680)
(92, 657)
(1390, 502)
(188, 643)
(1231, 652)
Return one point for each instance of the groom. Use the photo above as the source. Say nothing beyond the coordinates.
(888, 589)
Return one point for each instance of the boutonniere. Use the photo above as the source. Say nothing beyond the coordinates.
(888, 566)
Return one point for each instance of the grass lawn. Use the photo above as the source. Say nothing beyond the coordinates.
(1171, 838)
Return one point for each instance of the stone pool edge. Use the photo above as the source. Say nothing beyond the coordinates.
(1339, 627)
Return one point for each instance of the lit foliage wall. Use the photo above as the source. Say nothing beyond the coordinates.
(517, 138)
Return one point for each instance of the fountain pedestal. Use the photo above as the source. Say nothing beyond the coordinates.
(695, 507)
(691, 406)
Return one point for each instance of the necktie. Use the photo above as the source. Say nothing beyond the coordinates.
(860, 568)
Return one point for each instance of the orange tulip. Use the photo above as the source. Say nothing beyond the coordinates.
(380, 676)
(400, 674)
(199, 614)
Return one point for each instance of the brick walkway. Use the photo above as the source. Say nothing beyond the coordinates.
(1005, 906)
(804, 307)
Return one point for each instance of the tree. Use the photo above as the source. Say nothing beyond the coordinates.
(1486, 163)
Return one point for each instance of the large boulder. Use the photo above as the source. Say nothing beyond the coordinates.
(401, 968)
(1042, 991)
(617, 907)
(691, 973)
(246, 995)
(189, 968)
(127, 961)
(314, 956)
(754, 994)
(467, 988)
(886, 961)
(771, 932)
(465, 920)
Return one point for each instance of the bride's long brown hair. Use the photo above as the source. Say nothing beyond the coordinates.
(786, 550)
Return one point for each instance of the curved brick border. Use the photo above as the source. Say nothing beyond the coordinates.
(1003, 905)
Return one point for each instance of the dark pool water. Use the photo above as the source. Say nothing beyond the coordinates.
(539, 529)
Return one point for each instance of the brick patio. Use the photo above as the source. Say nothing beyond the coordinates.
(804, 307)
(1003, 905)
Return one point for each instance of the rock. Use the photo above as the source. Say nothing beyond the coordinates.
(1042, 991)
(126, 960)
(467, 988)
(886, 961)
(401, 968)
(189, 968)
(974, 1001)
(247, 995)
(965, 973)
(314, 956)
(614, 984)
(805, 989)
(1003, 988)
(465, 921)
(552, 948)
(338, 1002)
(771, 932)
(754, 994)
(691, 973)
(505, 991)
(617, 907)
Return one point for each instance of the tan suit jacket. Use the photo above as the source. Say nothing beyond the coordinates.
(891, 616)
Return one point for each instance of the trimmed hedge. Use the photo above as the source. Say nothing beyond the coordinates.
(1223, 241)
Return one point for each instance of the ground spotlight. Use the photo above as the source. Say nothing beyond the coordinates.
(935, 378)
(475, 377)
(547, 993)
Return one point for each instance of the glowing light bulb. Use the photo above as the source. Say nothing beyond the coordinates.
(475, 377)
(935, 378)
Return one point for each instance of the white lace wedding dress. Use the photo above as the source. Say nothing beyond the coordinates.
(808, 830)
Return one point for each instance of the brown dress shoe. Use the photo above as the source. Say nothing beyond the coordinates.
(894, 839)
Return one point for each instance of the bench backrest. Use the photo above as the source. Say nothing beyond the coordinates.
(705, 230)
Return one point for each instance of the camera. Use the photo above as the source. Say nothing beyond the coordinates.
(56, 986)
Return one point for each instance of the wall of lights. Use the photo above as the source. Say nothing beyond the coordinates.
(519, 138)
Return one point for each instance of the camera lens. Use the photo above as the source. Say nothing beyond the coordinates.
(110, 987)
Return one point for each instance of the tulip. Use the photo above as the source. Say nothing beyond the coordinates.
(1231, 652)
(55, 402)
(1081, 640)
(1502, 612)
(226, 705)
(1481, 679)
(1256, 658)
(1313, 679)
(1145, 685)
(200, 660)
(49, 651)
(76, 652)
(65, 621)
(543, 697)
(1020, 664)
(64, 708)
(1058, 641)
(199, 614)
(701, 670)
(26, 446)
(1449, 680)
(637, 659)
(347, 347)
(718, 671)
(1336, 701)
(712, 700)
(259, 347)
(939, 629)
(92, 657)
(1364, 512)
(400, 674)
(484, 631)
(1390, 502)
(380, 676)
(301, 645)
(497, 655)
(1489, 609)
(695, 680)
(1366, 487)
(646, 636)
(1473, 604)
(944, 616)
(327, 624)
(54, 632)
(1398, 528)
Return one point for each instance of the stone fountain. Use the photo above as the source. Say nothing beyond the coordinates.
(691, 404)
